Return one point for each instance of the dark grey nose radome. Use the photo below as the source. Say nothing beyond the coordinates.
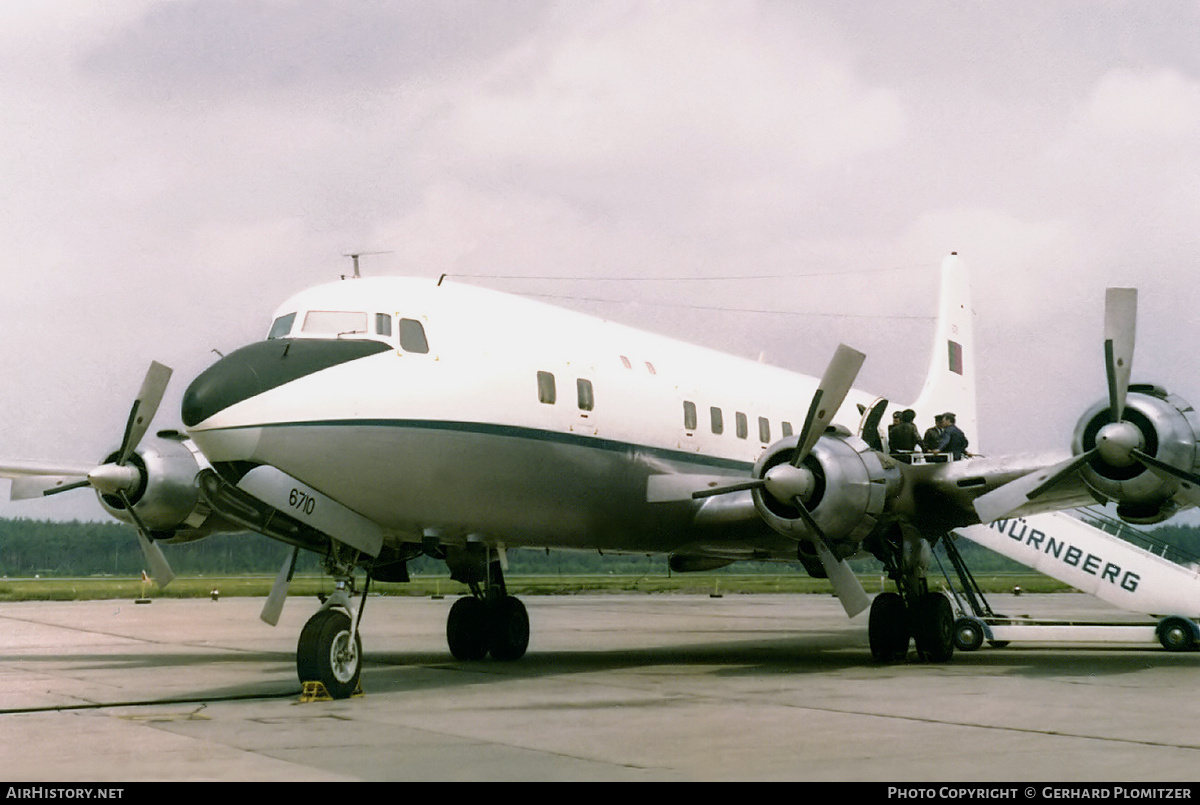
(265, 365)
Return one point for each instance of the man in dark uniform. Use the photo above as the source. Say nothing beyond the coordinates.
(903, 437)
(952, 440)
(933, 437)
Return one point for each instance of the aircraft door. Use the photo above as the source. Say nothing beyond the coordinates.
(868, 427)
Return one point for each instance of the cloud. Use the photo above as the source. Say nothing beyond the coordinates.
(1160, 104)
(215, 48)
(675, 99)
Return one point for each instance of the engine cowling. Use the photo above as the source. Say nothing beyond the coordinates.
(166, 497)
(1157, 423)
(844, 484)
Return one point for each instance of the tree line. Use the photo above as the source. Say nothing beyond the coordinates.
(83, 548)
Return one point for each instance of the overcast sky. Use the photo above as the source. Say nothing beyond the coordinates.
(174, 170)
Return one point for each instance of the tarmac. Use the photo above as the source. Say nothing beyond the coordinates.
(614, 688)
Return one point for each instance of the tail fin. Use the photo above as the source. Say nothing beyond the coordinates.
(950, 383)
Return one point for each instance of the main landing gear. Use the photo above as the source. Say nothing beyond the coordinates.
(914, 612)
(489, 621)
(928, 620)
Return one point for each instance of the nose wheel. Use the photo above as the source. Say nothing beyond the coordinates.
(330, 652)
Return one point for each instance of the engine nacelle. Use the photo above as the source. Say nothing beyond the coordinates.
(851, 484)
(1168, 429)
(167, 498)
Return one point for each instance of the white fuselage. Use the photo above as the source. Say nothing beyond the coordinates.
(522, 423)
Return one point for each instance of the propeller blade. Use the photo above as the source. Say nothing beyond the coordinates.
(1189, 483)
(1120, 325)
(160, 569)
(846, 585)
(721, 490)
(1003, 501)
(154, 386)
(278, 595)
(64, 487)
(675, 487)
(831, 393)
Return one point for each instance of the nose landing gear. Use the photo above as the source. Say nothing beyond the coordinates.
(330, 648)
(330, 652)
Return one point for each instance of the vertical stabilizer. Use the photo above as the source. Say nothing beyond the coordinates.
(950, 382)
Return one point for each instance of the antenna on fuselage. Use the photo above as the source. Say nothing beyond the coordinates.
(355, 255)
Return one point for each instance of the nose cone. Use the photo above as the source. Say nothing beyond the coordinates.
(263, 366)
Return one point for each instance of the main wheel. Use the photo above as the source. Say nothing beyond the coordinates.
(326, 653)
(1176, 634)
(509, 634)
(467, 629)
(968, 634)
(887, 629)
(933, 627)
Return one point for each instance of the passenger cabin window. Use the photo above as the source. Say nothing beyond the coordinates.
(583, 390)
(546, 391)
(718, 420)
(743, 428)
(383, 325)
(764, 430)
(787, 428)
(412, 337)
(282, 326)
(334, 322)
(689, 415)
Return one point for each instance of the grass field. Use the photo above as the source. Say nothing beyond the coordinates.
(93, 588)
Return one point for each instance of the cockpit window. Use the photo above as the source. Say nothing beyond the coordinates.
(282, 326)
(412, 336)
(334, 322)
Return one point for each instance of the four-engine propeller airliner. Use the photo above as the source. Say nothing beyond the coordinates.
(383, 419)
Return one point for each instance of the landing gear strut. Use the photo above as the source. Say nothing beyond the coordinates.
(489, 621)
(913, 612)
